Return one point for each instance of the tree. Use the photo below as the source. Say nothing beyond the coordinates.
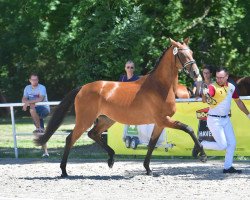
(70, 43)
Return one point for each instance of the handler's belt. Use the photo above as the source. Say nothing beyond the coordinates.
(219, 116)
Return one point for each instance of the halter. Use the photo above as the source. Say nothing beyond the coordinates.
(184, 66)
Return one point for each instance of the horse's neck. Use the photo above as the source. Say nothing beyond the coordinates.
(166, 73)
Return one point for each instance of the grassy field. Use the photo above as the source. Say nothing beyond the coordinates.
(83, 148)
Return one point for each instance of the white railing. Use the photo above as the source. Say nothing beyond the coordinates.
(12, 105)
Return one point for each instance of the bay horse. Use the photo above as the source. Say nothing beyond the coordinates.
(243, 85)
(151, 99)
(183, 92)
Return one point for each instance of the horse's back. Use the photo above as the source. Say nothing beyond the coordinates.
(118, 100)
(244, 86)
(182, 92)
(111, 91)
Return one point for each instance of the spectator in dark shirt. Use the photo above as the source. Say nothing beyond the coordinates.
(129, 76)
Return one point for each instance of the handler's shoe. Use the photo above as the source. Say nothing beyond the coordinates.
(232, 170)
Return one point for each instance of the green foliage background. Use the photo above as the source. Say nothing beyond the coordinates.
(70, 43)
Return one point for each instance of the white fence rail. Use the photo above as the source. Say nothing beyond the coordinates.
(12, 105)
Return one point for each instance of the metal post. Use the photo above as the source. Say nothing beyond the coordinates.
(14, 130)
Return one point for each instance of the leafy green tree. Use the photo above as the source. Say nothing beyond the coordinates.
(70, 43)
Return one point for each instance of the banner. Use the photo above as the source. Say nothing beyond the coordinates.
(203, 130)
(179, 143)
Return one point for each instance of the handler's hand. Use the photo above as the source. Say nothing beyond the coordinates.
(248, 116)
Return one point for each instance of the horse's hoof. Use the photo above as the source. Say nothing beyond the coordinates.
(64, 175)
(110, 162)
(149, 172)
(203, 158)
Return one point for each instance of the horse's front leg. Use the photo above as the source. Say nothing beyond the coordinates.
(198, 150)
(151, 145)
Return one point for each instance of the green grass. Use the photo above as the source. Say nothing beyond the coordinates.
(83, 148)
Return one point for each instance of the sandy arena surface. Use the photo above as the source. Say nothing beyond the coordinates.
(90, 179)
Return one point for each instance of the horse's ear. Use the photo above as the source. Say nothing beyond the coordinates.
(174, 43)
(186, 41)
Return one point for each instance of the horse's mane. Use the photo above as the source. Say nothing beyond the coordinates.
(158, 61)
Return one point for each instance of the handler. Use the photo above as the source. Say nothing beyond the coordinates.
(219, 96)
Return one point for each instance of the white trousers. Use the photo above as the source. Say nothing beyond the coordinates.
(222, 131)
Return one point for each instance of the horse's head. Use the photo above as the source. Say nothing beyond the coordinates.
(184, 58)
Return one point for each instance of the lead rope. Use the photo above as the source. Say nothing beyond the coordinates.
(210, 100)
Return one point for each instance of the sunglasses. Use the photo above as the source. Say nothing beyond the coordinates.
(130, 67)
(220, 77)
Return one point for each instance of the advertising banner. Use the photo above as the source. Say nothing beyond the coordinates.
(203, 131)
(176, 142)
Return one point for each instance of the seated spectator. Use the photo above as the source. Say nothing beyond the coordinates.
(32, 94)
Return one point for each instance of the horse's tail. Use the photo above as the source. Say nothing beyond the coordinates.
(57, 117)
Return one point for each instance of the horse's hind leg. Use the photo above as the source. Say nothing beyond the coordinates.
(85, 117)
(102, 124)
(70, 141)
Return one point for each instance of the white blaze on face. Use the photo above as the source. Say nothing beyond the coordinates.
(111, 92)
(198, 72)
